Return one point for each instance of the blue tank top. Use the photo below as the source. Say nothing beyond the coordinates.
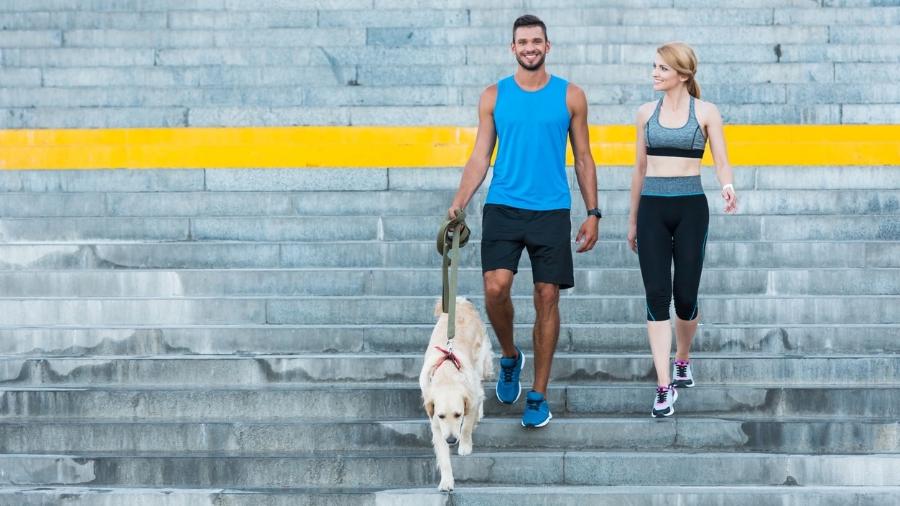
(532, 127)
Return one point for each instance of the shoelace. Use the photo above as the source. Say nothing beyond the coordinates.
(508, 371)
(533, 404)
(661, 395)
(681, 370)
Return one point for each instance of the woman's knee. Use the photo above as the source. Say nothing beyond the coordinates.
(686, 308)
(658, 301)
(657, 310)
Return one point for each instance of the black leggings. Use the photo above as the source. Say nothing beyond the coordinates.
(672, 228)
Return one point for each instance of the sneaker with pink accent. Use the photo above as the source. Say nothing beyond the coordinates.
(682, 377)
(664, 402)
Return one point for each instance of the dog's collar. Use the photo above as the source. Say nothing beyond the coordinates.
(448, 355)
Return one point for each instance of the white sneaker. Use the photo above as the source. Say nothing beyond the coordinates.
(682, 377)
(664, 402)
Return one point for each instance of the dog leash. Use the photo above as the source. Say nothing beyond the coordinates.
(453, 235)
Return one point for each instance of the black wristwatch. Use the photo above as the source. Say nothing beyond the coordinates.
(595, 212)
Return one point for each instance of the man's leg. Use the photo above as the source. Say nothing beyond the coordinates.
(497, 285)
(497, 301)
(501, 248)
(546, 332)
(549, 246)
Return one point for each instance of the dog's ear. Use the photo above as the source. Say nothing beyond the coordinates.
(429, 408)
(468, 400)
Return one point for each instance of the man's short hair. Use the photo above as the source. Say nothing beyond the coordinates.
(529, 20)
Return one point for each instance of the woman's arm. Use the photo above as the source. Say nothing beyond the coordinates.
(716, 135)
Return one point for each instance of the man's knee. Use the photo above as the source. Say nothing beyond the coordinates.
(496, 287)
(546, 294)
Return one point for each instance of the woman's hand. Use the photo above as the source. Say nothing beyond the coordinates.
(730, 199)
(632, 236)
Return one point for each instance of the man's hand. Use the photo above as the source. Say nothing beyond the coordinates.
(453, 212)
(587, 234)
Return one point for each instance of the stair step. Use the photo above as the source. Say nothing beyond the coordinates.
(421, 281)
(492, 434)
(412, 254)
(184, 496)
(749, 369)
(400, 203)
(398, 401)
(377, 310)
(250, 339)
(748, 495)
(418, 469)
(462, 495)
(411, 228)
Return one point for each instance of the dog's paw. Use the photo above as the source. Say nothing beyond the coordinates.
(446, 485)
(465, 448)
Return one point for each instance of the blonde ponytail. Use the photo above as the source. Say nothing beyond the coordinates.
(693, 87)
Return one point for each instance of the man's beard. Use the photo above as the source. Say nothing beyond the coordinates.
(534, 66)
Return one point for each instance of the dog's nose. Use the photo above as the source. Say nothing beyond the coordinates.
(451, 440)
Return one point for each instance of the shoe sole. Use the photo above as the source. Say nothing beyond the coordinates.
(520, 386)
(542, 424)
(662, 414)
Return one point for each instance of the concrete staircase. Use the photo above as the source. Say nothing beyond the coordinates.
(137, 63)
(252, 337)
(168, 339)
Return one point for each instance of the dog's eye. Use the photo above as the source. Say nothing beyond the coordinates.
(456, 415)
(441, 417)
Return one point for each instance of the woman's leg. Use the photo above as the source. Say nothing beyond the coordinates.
(655, 254)
(689, 247)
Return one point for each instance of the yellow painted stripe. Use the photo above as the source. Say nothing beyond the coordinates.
(428, 146)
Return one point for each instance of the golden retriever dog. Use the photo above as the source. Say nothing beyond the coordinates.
(451, 385)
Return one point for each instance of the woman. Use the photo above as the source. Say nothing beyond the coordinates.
(669, 215)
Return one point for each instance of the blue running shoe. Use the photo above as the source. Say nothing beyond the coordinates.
(508, 387)
(537, 411)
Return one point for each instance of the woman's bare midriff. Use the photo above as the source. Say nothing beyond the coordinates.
(670, 166)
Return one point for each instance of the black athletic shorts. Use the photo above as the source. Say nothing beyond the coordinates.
(505, 231)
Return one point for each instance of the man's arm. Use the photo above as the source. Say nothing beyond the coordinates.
(480, 159)
(585, 169)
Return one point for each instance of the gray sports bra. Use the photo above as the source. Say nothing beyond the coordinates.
(687, 141)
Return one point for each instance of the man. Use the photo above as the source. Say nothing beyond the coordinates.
(527, 206)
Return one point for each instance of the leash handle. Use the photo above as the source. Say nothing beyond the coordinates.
(453, 235)
(451, 260)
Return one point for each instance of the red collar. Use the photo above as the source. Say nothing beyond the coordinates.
(448, 355)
